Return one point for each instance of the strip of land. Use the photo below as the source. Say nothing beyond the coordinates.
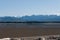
(27, 32)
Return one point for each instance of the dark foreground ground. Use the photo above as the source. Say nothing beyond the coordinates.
(27, 30)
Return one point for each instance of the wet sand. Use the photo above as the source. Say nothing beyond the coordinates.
(11, 30)
(26, 32)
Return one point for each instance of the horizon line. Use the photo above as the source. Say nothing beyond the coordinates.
(29, 15)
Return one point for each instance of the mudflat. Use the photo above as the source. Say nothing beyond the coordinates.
(27, 32)
(12, 30)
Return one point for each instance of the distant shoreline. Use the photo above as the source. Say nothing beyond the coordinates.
(34, 22)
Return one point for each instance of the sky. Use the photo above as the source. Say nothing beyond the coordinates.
(29, 7)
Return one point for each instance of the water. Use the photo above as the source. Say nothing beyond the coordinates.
(31, 25)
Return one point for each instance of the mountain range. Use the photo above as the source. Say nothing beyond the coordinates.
(35, 18)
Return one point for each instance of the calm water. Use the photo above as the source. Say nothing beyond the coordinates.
(55, 25)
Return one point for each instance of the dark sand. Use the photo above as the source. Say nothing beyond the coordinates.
(11, 30)
(25, 32)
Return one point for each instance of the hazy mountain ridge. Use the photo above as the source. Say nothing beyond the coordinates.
(30, 18)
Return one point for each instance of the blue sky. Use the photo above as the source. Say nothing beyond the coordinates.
(29, 7)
